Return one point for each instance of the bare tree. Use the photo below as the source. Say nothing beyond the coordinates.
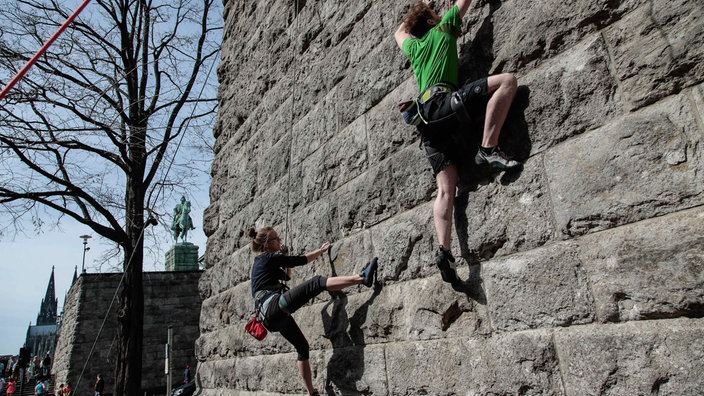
(90, 131)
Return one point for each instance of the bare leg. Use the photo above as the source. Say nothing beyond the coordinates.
(502, 89)
(337, 283)
(444, 204)
(304, 369)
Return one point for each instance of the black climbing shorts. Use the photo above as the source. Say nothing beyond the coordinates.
(445, 142)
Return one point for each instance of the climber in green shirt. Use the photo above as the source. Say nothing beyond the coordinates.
(430, 43)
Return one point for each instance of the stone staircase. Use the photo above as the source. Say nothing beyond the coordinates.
(28, 388)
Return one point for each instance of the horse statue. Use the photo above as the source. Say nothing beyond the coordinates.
(182, 222)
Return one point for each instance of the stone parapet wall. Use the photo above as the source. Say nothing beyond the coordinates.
(585, 270)
(87, 345)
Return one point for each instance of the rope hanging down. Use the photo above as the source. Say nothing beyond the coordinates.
(290, 140)
(42, 50)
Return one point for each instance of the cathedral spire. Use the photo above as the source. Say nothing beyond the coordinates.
(47, 311)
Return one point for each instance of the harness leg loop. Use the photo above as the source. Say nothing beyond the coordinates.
(457, 106)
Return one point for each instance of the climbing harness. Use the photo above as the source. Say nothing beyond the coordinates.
(410, 110)
(264, 305)
(457, 105)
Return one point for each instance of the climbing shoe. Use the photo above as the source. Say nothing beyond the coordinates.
(369, 272)
(446, 263)
(496, 159)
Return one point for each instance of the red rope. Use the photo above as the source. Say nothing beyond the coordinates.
(42, 50)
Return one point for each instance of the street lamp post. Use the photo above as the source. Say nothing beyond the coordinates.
(85, 249)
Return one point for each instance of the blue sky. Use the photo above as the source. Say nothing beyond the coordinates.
(25, 268)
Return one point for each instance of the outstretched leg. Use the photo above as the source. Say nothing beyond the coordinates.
(293, 299)
(338, 283)
(366, 278)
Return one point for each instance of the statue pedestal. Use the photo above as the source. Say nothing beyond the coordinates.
(182, 257)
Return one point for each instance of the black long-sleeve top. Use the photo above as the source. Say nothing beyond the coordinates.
(268, 270)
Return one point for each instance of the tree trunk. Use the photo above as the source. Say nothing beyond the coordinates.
(131, 305)
(128, 370)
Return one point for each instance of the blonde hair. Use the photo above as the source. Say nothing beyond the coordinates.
(259, 238)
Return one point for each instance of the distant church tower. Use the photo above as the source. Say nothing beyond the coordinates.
(47, 311)
(41, 338)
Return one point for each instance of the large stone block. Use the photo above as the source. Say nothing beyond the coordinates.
(225, 308)
(340, 159)
(545, 287)
(366, 201)
(404, 244)
(274, 373)
(640, 166)
(648, 270)
(508, 214)
(522, 363)
(359, 369)
(657, 50)
(228, 272)
(387, 132)
(519, 36)
(570, 94)
(697, 97)
(661, 357)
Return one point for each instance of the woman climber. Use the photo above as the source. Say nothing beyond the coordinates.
(271, 268)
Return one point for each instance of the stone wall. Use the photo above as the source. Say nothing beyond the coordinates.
(87, 346)
(585, 270)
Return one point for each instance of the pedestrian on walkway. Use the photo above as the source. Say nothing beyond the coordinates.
(99, 385)
(68, 389)
(11, 387)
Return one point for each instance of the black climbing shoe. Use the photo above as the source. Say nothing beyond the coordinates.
(497, 159)
(445, 263)
(369, 271)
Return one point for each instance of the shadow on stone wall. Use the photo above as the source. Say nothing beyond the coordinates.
(476, 62)
(477, 55)
(515, 141)
(346, 365)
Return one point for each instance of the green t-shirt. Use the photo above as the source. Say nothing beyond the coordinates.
(434, 56)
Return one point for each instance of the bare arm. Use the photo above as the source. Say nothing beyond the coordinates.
(401, 35)
(310, 256)
(463, 5)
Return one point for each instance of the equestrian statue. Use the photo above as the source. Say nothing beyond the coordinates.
(182, 222)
